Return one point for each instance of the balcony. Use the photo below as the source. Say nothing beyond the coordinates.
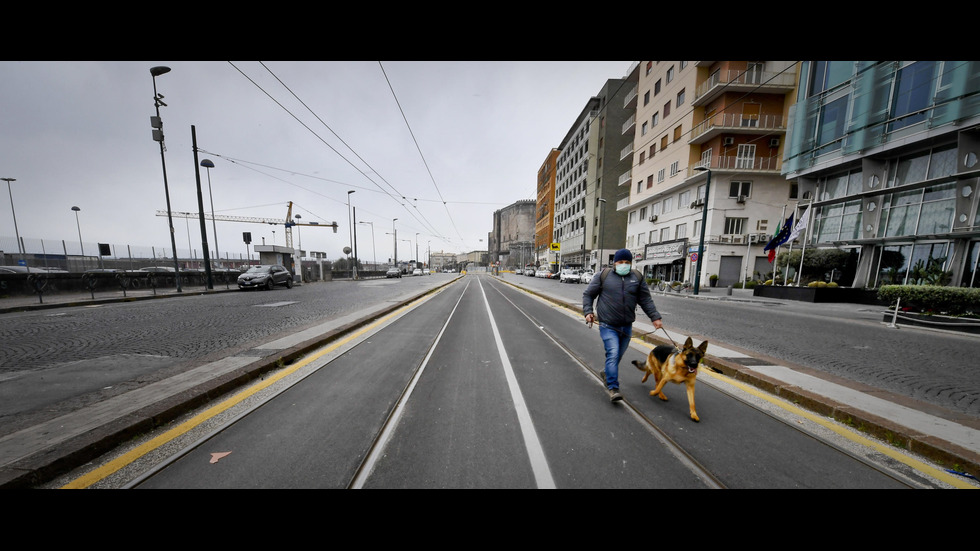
(734, 163)
(743, 81)
(629, 102)
(629, 124)
(736, 123)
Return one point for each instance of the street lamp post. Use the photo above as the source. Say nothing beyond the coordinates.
(157, 123)
(416, 249)
(394, 238)
(16, 231)
(299, 234)
(206, 163)
(373, 251)
(79, 226)
(350, 234)
(704, 222)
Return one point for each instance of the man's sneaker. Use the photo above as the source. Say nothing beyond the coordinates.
(614, 395)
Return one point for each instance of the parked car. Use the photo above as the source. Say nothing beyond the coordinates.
(586, 276)
(542, 272)
(393, 272)
(569, 275)
(529, 271)
(265, 277)
(426, 272)
(417, 271)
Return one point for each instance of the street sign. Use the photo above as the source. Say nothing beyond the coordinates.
(555, 247)
(694, 257)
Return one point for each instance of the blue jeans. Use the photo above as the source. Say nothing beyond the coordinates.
(617, 340)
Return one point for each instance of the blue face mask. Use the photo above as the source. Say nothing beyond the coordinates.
(623, 269)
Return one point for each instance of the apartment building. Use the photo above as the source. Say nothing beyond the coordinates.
(545, 216)
(707, 150)
(886, 153)
(587, 226)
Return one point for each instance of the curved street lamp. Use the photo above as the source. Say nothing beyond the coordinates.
(157, 123)
(79, 226)
(206, 163)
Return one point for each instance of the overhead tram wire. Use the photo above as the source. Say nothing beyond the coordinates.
(325, 125)
(417, 147)
(324, 142)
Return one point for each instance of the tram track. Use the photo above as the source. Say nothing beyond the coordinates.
(365, 466)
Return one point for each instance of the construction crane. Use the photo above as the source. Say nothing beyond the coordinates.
(288, 221)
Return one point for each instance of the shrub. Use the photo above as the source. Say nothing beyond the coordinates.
(954, 301)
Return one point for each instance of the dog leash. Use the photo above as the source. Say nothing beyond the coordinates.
(676, 348)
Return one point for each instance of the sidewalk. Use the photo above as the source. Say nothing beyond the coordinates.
(32, 455)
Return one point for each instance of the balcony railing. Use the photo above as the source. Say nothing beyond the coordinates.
(737, 79)
(737, 122)
(742, 164)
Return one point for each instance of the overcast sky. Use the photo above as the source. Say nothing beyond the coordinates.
(439, 145)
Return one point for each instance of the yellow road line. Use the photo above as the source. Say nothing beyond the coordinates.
(837, 428)
(115, 465)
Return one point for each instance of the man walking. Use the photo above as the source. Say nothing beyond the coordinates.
(618, 289)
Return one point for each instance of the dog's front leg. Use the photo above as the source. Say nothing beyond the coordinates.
(690, 400)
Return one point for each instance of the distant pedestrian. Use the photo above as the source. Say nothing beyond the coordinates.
(618, 289)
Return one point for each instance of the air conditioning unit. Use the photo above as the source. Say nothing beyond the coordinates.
(697, 204)
(740, 199)
(773, 142)
(653, 218)
(728, 141)
(763, 238)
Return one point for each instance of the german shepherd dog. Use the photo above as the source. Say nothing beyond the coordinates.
(666, 363)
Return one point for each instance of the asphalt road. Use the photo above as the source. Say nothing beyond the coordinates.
(483, 386)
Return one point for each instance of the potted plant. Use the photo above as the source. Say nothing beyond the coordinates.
(713, 279)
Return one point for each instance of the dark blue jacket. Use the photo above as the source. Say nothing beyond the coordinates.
(618, 297)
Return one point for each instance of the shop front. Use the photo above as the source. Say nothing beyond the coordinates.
(664, 261)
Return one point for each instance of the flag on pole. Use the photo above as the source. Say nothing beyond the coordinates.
(779, 238)
(800, 225)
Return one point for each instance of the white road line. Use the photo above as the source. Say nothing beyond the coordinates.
(539, 464)
(378, 449)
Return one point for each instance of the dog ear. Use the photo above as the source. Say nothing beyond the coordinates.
(703, 347)
(688, 343)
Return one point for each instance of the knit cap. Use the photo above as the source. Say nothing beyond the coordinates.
(623, 254)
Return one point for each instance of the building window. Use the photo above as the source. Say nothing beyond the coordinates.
(646, 97)
(735, 226)
(650, 181)
(668, 205)
(643, 213)
(745, 156)
(674, 167)
(666, 109)
(681, 231)
(661, 175)
(670, 74)
(680, 97)
(643, 129)
(656, 119)
(677, 133)
(914, 87)
(739, 189)
(656, 87)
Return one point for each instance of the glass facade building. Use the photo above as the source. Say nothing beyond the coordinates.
(886, 153)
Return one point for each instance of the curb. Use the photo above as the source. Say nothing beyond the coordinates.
(945, 454)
